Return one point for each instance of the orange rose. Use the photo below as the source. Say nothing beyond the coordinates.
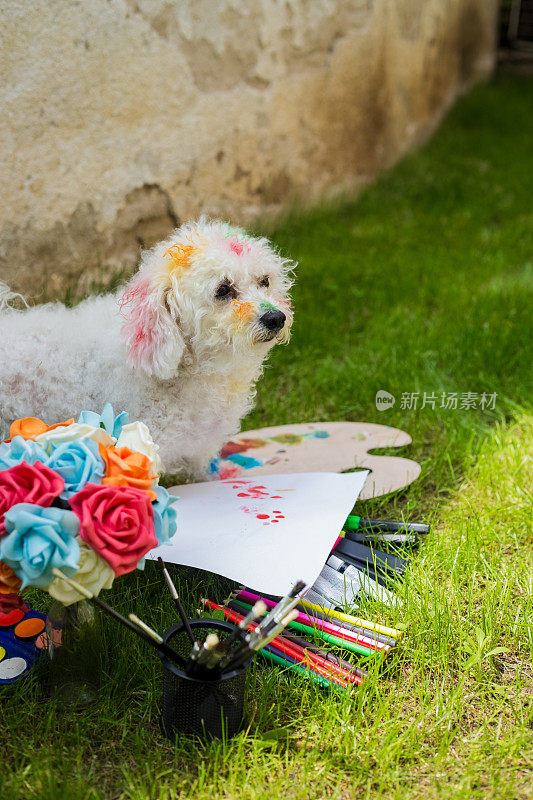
(126, 468)
(30, 427)
(9, 583)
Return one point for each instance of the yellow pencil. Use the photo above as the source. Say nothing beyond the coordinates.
(361, 623)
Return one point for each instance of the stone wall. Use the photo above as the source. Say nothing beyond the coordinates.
(120, 118)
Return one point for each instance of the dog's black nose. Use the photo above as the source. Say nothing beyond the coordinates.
(273, 320)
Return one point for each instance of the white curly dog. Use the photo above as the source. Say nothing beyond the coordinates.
(180, 348)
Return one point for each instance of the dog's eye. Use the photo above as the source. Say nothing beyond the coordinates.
(225, 290)
(264, 281)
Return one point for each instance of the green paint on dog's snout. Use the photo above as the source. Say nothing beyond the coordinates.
(267, 306)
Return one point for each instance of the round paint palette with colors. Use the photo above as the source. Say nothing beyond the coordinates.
(21, 643)
(320, 447)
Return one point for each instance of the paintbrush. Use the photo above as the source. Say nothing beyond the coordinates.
(151, 638)
(285, 605)
(258, 641)
(204, 656)
(255, 613)
(177, 601)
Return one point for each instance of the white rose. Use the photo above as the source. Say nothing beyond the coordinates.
(93, 573)
(136, 437)
(69, 433)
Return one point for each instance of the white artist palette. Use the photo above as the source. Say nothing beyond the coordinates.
(321, 447)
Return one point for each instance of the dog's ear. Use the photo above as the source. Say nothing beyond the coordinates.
(151, 329)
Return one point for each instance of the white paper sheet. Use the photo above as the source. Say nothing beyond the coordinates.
(266, 532)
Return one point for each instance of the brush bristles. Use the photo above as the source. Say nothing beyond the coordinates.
(290, 617)
(146, 628)
(75, 585)
(259, 609)
(211, 640)
(297, 588)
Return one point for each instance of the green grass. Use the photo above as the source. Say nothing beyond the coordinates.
(422, 284)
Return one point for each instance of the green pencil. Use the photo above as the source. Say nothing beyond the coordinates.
(307, 673)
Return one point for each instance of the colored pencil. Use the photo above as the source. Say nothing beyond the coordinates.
(326, 654)
(330, 675)
(341, 635)
(325, 666)
(339, 640)
(312, 661)
(322, 614)
(354, 629)
(373, 626)
(283, 662)
(329, 614)
(335, 630)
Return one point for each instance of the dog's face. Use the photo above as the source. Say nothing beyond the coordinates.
(211, 292)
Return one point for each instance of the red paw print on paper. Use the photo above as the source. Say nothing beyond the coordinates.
(250, 489)
(266, 519)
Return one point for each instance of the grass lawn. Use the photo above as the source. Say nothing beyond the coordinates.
(424, 284)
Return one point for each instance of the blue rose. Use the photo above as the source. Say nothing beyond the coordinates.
(107, 420)
(164, 515)
(39, 539)
(18, 450)
(78, 462)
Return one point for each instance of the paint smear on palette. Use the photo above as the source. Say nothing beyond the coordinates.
(232, 461)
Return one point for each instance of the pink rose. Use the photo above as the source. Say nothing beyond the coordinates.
(28, 483)
(117, 522)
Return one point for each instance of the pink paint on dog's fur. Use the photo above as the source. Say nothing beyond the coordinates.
(140, 322)
(138, 290)
(237, 246)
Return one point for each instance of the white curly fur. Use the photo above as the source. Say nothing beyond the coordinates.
(166, 349)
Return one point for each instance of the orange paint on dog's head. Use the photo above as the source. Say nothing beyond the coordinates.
(242, 311)
(181, 254)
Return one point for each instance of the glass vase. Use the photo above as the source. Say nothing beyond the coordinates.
(74, 644)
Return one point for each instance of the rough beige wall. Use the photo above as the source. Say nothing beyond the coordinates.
(119, 118)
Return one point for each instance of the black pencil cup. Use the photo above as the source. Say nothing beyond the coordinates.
(198, 707)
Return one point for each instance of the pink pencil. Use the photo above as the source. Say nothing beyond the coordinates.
(327, 627)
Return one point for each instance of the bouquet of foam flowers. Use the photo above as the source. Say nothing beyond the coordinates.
(82, 497)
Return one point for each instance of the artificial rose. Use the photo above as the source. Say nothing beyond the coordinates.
(126, 468)
(78, 463)
(9, 582)
(28, 483)
(117, 522)
(137, 438)
(39, 539)
(30, 427)
(78, 430)
(93, 573)
(106, 420)
(164, 515)
(20, 449)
